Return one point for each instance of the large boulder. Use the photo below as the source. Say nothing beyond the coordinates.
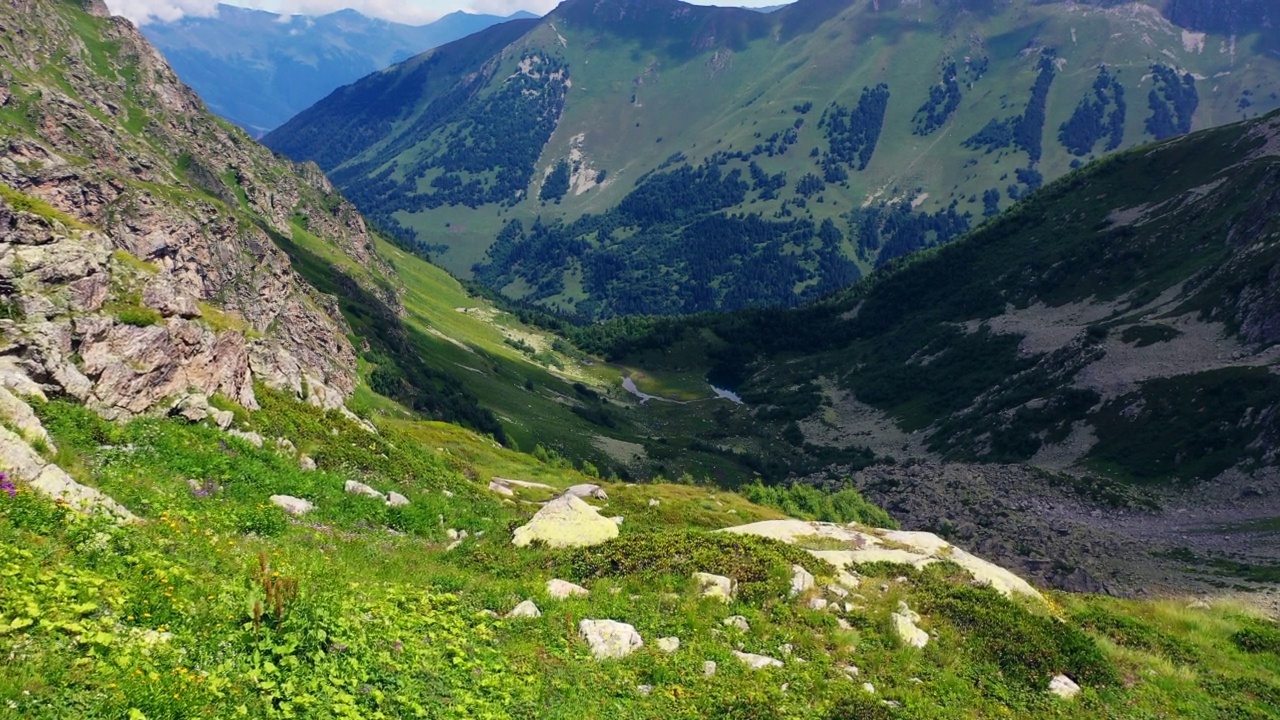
(904, 624)
(566, 521)
(610, 638)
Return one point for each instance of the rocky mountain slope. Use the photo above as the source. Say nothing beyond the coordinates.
(138, 252)
(646, 156)
(258, 68)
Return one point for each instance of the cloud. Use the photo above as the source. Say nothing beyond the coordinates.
(413, 12)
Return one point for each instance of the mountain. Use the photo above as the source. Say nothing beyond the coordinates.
(1105, 352)
(195, 523)
(647, 156)
(258, 69)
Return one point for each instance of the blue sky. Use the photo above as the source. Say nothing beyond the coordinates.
(406, 11)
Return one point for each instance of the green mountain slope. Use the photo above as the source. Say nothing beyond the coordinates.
(651, 157)
(257, 550)
(1119, 326)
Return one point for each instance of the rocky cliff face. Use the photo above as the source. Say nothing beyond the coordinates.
(137, 233)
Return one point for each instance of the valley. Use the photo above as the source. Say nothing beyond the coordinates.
(261, 458)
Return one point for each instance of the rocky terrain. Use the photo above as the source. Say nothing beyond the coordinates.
(137, 256)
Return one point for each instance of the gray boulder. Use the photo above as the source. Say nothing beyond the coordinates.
(296, 507)
(610, 638)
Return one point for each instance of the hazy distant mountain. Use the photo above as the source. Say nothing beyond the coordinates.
(258, 69)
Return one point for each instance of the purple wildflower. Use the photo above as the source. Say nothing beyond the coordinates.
(7, 486)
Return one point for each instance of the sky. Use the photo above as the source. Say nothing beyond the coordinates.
(414, 12)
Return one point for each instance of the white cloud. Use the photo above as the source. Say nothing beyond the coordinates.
(413, 12)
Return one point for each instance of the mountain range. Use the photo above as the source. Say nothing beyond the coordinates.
(648, 156)
(257, 461)
(258, 68)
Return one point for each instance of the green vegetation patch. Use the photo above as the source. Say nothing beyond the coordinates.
(760, 565)
(25, 203)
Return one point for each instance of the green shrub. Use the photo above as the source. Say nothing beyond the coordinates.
(810, 503)
(262, 520)
(1133, 633)
(27, 511)
(1258, 636)
(860, 707)
(138, 316)
(760, 565)
(1029, 649)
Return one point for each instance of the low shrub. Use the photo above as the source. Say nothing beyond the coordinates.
(1029, 649)
(760, 565)
(1258, 636)
(1134, 633)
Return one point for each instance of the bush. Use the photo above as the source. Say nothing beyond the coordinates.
(760, 565)
(809, 503)
(1029, 649)
(138, 316)
(1133, 633)
(1258, 636)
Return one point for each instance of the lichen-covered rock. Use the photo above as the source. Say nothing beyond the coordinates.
(292, 505)
(559, 589)
(668, 644)
(801, 580)
(566, 521)
(757, 662)
(904, 624)
(609, 638)
(588, 490)
(736, 621)
(868, 545)
(716, 586)
(525, 609)
(395, 499)
(354, 487)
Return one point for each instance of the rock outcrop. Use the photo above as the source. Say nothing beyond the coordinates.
(867, 545)
(140, 263)
(566, 521)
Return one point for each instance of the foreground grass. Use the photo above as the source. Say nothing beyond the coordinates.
(193, 613)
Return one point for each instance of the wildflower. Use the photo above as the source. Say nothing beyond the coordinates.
(7, 486)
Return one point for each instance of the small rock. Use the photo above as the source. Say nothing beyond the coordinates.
(252, 438)
(708, 668)
(851, 671)
(447, 493)
(654, 502)
(453, 545)
(736, 621)
(843, 624)
(560, 589)
(869, 688)
(306, 463)
(395, 499)
(525, 609)
(501, 489)
(668, 644)
(786, 649)
(286, 445)
(352, 487)
(1064, 687)
(588, 490)
(908, 632)
(221, 418)
(644, 689)
(838, 591)
(817, 603)
(757, 662)
(292, 505)
(610, 638)
(451, 534)
(801, 580)
(617, 519)
(716, 586)
(192, 408)
(1198, 605)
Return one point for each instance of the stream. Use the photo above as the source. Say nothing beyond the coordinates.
(720, 393)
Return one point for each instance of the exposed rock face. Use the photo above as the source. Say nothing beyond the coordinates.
(566, 521)
(868, 545)
(195, 200)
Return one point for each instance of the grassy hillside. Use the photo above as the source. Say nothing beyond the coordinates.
(220, 604)
(685, 159)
